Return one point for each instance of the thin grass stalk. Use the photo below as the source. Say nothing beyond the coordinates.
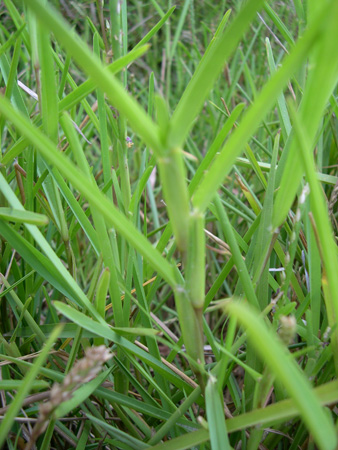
(48, 100)
(219, 439)
(83, 90)
(207, 71)
(165, 428)
(119, 33)
(100, 298)
(189, 233)
(265, 235)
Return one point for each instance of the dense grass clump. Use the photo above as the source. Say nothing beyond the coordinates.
(168, 189)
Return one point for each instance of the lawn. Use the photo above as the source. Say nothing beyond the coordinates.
(168, 224)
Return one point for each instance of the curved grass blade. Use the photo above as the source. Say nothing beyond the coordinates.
(107, 208)
(184, 442)
(81, 394)
(155, 29)
(56, 270)
(281, 411)
(286, 371)
(88, 86)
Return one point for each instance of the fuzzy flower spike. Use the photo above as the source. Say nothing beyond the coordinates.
(83, 371)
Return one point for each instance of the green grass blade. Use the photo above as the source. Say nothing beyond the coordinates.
(106, 332)
(265, 234)
(215, 414)
(18, 216)
(122, 436)
(10, 41)
(137, 117)
(24, 389)
(155, 29)
(111, 214)
(323, 226)
(179, 27)
(88, 86)
(265, 100)
(236, 254)
(15, 384)
(217, 143)
(72, 289)
(209, 68)
(287, 371)
(282, 28)
(322, 80)
(281, 104)
(185, 442)
(80, 395)
(281, 411)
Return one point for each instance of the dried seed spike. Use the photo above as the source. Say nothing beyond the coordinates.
(83, 371)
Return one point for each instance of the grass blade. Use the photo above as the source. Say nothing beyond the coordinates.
(26, 386)
(287, 371)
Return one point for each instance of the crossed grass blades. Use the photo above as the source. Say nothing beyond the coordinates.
(168, 191)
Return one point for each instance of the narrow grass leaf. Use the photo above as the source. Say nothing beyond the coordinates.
(88, 86)
(107, 333)
(26, 386)
(286, 370)
(127, 106)
(111, 214)
(81, 394)
(264, 101)
(121, 436)
(281, 103)
(68, 282)
(8, 385)
(323, 226)
(322, 79)
(11, 40)
(282, 411)
(215, 414)
(185, 442)
(155, 29)
(208, 70)
(18, 216)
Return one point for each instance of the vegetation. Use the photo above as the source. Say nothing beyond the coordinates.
(168, 229)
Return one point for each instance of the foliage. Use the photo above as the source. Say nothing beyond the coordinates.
(168, 192)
